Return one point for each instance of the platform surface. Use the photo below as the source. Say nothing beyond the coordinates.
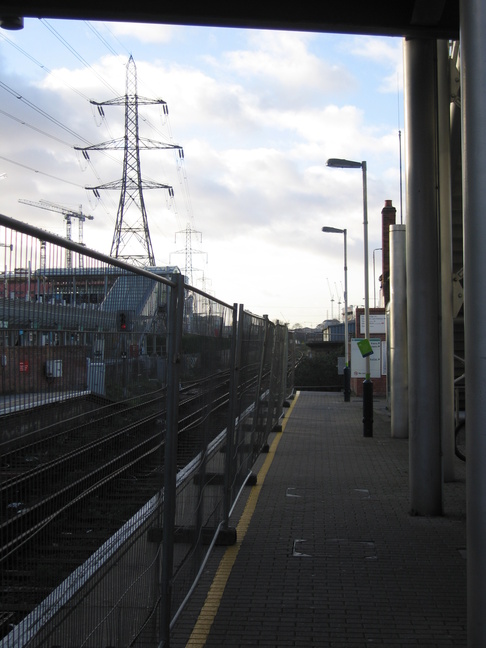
(327, 553)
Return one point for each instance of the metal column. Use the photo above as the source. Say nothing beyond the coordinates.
(174, 352)
(445, 223)
(473, 101)
(398, 333)
(423, 283)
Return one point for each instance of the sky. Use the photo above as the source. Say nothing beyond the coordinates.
(257, 114)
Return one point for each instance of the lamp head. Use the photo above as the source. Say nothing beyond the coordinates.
(339, 163)
(333, 230)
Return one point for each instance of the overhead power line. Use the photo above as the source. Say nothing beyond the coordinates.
(38, 130)
(41, 65)
(49, 175)
(75, 53)
(42, 112)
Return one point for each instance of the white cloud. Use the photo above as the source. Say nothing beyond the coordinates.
(386, 52)
(257, 124)
(283, 71)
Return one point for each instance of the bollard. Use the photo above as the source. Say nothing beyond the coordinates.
(367, 408)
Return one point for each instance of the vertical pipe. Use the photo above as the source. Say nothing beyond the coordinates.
(447, 324)
(473, 99)
(174, 350)
(423, 312)
(347, 370)
(230, 468)
(398, 333)
(367, 385)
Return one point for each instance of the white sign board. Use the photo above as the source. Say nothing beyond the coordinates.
(377, 324)
(358, 363)
(384, 367)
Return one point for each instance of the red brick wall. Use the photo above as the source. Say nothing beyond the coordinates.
(388, 217)
(379, 384)
(24, 369)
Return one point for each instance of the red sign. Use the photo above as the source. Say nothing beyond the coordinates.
(24, 365)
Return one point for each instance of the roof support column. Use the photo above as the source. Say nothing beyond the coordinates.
(447, 316)
(473, 101)
(423, 277)
(398, 373)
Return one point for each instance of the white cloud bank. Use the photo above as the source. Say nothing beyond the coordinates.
(257, 120)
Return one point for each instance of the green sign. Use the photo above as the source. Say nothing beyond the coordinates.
(365, 348)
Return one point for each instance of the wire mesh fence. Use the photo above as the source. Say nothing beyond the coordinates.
(133, 407)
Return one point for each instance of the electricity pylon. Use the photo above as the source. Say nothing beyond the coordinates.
(189, 251)
(131, 185)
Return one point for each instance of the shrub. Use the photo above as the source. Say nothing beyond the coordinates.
(319, 371)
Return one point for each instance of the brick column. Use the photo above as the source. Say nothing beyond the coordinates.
(388, 217)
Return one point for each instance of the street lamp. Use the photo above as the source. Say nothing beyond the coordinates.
(367, 384)
(346, 372)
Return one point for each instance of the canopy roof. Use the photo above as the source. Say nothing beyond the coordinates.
(436, 18)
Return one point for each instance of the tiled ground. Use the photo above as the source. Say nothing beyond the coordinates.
(332, 556)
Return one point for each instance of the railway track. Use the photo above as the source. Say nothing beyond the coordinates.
(64, 492)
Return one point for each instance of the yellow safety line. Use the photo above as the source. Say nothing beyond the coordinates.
(210, 608)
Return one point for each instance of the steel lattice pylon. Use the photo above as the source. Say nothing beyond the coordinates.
(189, 251)
(128, 228)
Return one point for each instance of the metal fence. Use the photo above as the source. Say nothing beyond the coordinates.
(132, 409)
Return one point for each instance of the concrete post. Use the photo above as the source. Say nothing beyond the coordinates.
(423, 277)
(398, 333)
(473, 101)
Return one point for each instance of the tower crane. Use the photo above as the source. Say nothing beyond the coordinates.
(332, 298)
(68, 215)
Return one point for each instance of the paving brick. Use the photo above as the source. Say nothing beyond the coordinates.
(331, 556)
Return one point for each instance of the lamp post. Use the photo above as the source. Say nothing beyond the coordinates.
(346, 372)
(367, 384)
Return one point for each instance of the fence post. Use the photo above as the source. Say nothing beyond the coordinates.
(285, 365)
(234, 382)
(259, 427)
(273, 414)
(174, 351)
(290, 366)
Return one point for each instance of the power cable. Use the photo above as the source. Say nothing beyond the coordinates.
(49, 175)
(46, 115)
(39, 64)
(77, 55)
(38, 130)
(100, 37)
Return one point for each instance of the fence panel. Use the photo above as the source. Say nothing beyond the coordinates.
(205, 374)
(132, 409)
(251, 381)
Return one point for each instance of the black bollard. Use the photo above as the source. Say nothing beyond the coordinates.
(367, 408)
(347, 384)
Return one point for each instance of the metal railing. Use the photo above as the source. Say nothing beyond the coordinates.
(133, 407)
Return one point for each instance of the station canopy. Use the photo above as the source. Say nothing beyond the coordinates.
(413, 18)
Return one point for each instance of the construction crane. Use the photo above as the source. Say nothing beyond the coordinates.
(68, 215)
(332, 298)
